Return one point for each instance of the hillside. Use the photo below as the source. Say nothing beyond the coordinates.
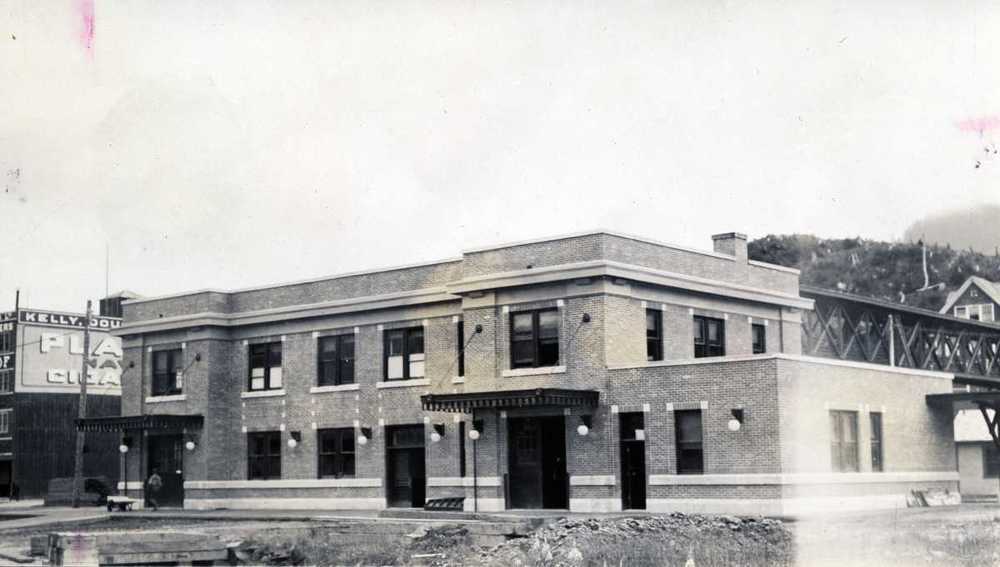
(886, 270)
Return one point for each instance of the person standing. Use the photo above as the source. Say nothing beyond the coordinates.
(153, 485)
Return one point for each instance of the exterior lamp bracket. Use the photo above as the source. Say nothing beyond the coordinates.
(365, 435)
(294, 438)
(737, 421)
(477, 430)
(437, 433)
(586, 422)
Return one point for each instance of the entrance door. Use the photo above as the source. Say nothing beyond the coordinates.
(537, 462)
(405, 464)
(166, 457)
(633, 459)
(5, 479)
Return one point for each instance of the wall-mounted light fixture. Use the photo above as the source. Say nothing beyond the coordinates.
(364, 435)
(125, 446)
(585, 424)
(190, 444)
(586, 318)
(736, 422)
(477, 430)
(294, 438)
(438, 432)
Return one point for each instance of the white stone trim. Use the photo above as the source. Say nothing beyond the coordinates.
(791, 357)
(132, 485)
(403, 383)
(534, 371)
(594, 233)
(285, 503)
(284, 483)
(164, 399)
(592, 480)
(774, 267)
(338, 388)
(758, 479)
(741, 506)
(485, 504)
(458, 380)
(467, 481)
(595, 505)
(263, 394)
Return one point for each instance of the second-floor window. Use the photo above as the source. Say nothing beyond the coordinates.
(977, 312)
(709, 337)
(534, 338)
(167, 376)
(336, 360)
(759, 335)
(460, 334)
(6, 381)
(654, 335)
(265, 367)
(5, 421)
(404, 353)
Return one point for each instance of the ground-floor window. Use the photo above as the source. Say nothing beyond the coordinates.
(264, 455)
(876, 440)
(690, 455)
(844, 441)
(336, 452)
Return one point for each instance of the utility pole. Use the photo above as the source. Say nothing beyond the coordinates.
(78, 461)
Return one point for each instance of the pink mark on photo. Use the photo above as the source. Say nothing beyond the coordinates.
(86, 9)
(980, 125)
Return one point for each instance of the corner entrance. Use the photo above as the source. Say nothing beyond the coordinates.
(166, 457)
(537, 463)
(406, 467)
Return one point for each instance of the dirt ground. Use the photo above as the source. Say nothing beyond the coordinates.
(963, 535)
(966, 535)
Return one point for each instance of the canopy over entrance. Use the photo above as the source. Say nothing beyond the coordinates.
(538, 397)
(140, 422)
(983, 401)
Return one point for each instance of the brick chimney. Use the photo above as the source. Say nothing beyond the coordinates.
(731, 243)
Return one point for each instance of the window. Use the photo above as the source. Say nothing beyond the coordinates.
(844, 441)
(977, 312)
(5, 421)
(265, 366)
(690, 458)
(336, 452)
(264, 455)
(460, 330)
(876, 441)
(991, 460)
(461, 449)
(168, 377)
(336, 360)
(973, 292)
(404, 353)
(709, 337)
(759, 333)
(6, 381)
(534, 338)
(654, 335)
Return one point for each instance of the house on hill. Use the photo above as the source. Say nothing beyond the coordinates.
(977, 299)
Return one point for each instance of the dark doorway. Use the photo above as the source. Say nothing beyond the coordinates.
(537, 462)
(166, 457)
(5, 479)
(633, 458)
(407, 475)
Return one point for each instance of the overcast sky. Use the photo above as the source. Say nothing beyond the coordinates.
(232, 144)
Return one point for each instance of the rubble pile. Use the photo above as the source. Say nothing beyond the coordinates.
(660, 540)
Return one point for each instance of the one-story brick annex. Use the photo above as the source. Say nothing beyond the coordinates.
(591, 372)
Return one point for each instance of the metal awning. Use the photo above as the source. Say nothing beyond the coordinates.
(983, 400)
(538, 397)
(165, 422)
(965, 400)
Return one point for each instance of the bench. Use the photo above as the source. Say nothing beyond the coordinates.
(121, 503)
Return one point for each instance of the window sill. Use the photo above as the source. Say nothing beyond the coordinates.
(336, 388)
(263, 394)
(403, 383)
(458, 380)
(534, 371)
(163, 399)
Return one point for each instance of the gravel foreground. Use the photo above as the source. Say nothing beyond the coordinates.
(677, 539)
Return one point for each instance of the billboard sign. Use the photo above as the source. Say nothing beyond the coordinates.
(50, 353)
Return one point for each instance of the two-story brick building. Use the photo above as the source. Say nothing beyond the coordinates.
(593, 372)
